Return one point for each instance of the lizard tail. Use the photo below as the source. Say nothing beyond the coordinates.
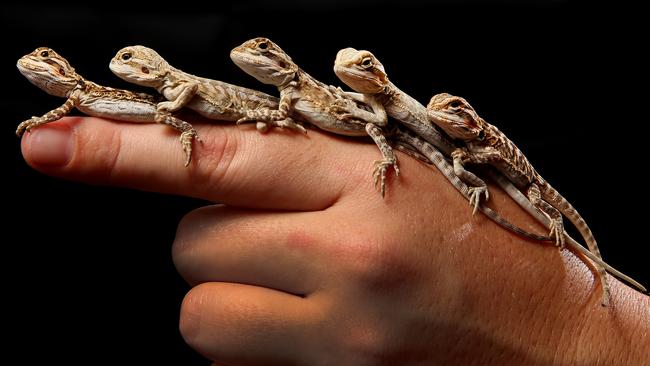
(555, 199)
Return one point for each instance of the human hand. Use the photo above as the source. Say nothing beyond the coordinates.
(305, 263)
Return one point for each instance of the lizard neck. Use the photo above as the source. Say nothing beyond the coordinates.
(169, 77)
(82, 84)
(298, 75)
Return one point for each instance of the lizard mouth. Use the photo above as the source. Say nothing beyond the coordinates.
(24, 64)
(445, 118)
(243, 59)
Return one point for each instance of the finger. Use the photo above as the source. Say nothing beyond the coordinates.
(290, 252)
(243, 325)
(279, 169)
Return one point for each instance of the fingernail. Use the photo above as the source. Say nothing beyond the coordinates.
(51, 145)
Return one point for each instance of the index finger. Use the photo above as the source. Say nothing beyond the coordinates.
(234, 165)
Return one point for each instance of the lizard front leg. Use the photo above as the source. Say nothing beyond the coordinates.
(557, 225)
(477, 185)
(185, 91)
(389, 158)
(50, 116)
(377, 117)
(274, 117)
(188, 133)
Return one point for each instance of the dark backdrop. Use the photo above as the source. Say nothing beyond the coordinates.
(87, 270)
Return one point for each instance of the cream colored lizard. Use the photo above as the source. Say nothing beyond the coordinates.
(212, 99)
(52, 73)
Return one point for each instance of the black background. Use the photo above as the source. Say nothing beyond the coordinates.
(87, 270)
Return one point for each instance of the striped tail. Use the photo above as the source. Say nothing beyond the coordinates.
(555, 199)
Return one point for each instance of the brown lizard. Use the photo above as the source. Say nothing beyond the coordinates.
(49, 71)
(302, 96)
(212, 99)
(485, 144)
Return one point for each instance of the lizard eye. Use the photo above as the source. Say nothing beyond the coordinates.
(454, 104)
(366, 63)
(263, 46)
(62, 72)
(126, 56)
(45, 54)
(481, 135)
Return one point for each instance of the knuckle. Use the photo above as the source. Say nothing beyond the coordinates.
(379, 264)
(98, 147)
(367, 344)
(217, 155)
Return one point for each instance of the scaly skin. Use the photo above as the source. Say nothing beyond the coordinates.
(212, 99)
(53, 73)
(485, 144)
(302, 96)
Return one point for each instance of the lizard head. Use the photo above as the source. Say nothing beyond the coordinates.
(140, 65)
(456, 117)
(360, 70)
(49, 71)
(265, 61)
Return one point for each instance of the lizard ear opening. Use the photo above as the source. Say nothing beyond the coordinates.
(481, 135)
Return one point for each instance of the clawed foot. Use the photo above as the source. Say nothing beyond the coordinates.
(475, 196)
(263, 126)
(165, 107)
(26, 126)
(342, 113)
(250, 117)
(290, 124)
(557, 232)
(379, 172)
(187, 137)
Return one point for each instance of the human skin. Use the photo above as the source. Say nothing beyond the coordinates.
(304, 263)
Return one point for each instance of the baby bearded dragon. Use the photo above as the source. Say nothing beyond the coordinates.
(362, 71)
(52, 73)
(210, 98)
(485, 144)
(302, 96)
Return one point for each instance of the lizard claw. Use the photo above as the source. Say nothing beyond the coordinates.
(475, 196)
(379, 173)
(557, 232)
(165, 107)
(290, 124)
(245, 119)
(186, 141)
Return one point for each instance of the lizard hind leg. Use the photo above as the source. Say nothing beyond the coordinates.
(557, 225)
